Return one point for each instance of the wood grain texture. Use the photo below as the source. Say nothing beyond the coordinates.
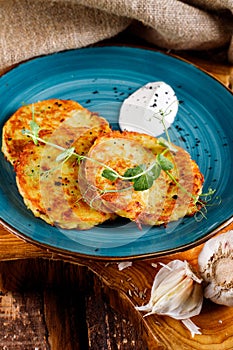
(130, 287)
(125, 289)
(57, 305)
(22, 321)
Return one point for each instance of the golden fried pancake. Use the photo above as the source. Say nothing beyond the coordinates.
(27, 179)
(49, 187)
(172, 200)
(169, 198)
(48, 114)
(119, 152)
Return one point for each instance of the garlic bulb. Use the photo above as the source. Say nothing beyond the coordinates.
(216, 267)
(176, 292)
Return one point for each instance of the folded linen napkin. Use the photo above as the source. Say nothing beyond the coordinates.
(30, 28)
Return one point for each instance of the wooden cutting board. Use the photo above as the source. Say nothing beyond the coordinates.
(131, 286)
(128, 288)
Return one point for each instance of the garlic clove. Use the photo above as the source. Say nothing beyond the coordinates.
(170, 303)
(193, 304)
(175, 292)
(160, 289)
(215, 263)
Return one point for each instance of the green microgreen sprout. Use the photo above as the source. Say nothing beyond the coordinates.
(34, 127)
(168, 145)
(204, 203)
(141, 176)
(65, 155)
(160, 115)
(61, 158)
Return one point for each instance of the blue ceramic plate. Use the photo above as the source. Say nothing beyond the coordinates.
(100, 79)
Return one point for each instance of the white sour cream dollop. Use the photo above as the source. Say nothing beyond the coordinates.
(144, 110)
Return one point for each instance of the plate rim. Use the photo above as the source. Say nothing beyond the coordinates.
(76, 255)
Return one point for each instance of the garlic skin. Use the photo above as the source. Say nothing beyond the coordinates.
(216, 268)
(176, 292)
(124, 264)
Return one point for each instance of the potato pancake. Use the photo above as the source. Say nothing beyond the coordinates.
(119, 152)
(170, 197)
(27, 179)
(50, 189)
(170, 200)
(48, 114)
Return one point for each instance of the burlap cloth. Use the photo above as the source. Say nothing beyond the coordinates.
(30, 28)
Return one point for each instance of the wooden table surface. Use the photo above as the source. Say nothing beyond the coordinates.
(131, 286)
